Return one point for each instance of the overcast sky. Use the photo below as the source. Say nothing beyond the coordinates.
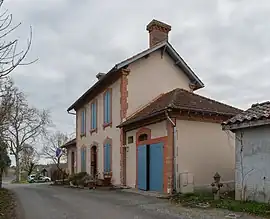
(226, 43)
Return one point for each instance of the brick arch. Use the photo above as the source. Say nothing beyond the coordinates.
(93, 154)
(107, 141)
(141, 131)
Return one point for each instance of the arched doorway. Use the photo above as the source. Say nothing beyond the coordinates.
(94, 161)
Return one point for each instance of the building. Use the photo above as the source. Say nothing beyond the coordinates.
(252, 152)
(142, 122)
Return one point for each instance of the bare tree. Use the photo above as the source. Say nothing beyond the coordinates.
(10, 56)
(52, 146)
(29, 158)
(26, 124)
(5, 161)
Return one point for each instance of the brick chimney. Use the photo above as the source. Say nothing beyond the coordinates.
(158, 32)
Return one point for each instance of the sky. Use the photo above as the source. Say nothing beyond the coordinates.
(225, 42)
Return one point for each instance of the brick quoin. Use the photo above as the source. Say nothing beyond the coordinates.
(123, 115)
(169, 157)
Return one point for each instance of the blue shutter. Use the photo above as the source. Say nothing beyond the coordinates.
(109, 106)
(83, 122)
(95, 115)
(105, 158)
(109, 157)
(82, 160)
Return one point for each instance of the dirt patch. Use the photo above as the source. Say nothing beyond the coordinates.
(8, 208)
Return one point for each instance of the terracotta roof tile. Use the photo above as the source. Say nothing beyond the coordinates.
(183, 100)
(257, 111)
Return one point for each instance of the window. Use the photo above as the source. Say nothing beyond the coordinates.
(130, 139)
(143, 137)
(83, 121)
(107, 157)
(83, 159)
(107, 107)
(94, 116)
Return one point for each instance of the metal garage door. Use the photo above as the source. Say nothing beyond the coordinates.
(156, 167)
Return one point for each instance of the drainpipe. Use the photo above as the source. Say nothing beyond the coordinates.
(174, 150)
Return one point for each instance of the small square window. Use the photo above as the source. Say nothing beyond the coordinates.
(130, 139)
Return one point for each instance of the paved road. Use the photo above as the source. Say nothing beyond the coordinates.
(50, 202)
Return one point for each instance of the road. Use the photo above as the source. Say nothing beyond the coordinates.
(42, 201)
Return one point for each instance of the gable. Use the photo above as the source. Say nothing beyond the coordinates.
(163, 48)
(152, 76)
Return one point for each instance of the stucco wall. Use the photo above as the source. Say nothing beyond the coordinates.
(204, 149)
(157, 130)
(152, 76)
(254, 163)
(101, 135)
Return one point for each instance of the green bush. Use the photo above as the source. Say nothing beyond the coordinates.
(78, 178)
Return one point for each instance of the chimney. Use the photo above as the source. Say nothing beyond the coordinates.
(100, 75)
(158, 32)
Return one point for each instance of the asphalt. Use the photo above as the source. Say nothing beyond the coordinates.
(42, 201)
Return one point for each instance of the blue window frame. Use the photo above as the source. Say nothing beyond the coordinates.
(107, 157)
(107, 107)
(94, 115)
(83, 122)
(83, 159)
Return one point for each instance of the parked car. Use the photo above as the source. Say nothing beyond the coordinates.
(38, 179)
(31, 178)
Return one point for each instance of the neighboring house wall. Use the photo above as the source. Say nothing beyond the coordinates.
(204, 149)
(254, 163)
(150, 77)
(97, 138)
(157, 130)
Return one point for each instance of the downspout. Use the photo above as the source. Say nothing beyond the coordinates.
(174, 151)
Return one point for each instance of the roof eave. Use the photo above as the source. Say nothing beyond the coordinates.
(245, 124)
(73, 106)
(182, 64)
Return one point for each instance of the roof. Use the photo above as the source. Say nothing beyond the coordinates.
(183, 100)
(257, 112)
(70, 143)
(167, 48)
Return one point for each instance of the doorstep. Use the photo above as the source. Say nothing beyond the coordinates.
(147, 193)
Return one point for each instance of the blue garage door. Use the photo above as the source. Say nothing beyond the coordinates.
(156, 167)
(142, 167)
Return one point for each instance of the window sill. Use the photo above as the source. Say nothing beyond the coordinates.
(107, 174)
(82, 135)
(105, 125)
(93, 130)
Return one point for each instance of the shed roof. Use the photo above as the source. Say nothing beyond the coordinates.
(257, 112)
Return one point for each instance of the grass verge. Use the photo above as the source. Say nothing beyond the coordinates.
(7, 205)
(206, 200)
(20, 182)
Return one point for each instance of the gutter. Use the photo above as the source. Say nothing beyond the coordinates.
(71, 113)
(174, 150)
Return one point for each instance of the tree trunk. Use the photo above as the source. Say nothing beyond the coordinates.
(18, 172)
(1, 178)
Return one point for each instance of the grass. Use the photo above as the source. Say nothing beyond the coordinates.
(21, 182)
(228, 202)
(7, 205)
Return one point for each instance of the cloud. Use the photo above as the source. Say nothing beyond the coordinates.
(224, 41)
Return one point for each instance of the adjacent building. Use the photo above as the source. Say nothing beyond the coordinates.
(251, 129)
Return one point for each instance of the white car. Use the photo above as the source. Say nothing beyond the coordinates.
(38, 179)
